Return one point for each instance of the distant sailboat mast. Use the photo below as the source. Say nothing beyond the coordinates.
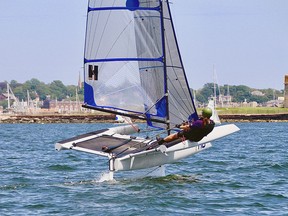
(228, 96)
(215, 82)
(214, 88)
(8, 95)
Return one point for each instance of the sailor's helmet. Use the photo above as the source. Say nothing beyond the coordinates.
(206, 112)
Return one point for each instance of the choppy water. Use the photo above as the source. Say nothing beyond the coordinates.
(243, 174)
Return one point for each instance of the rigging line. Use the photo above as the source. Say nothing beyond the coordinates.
(178, 80)
(102, 34)
(120, 34)
(183, 103)
(173, 102)
(178, 51)
(149, 130)
(186, 94)
(131, 123)
(180, 104)
(177, 111)
(111, 148)
(154, 104)
(105, 26)
(176, 75)
(166, 90)
(137, 143)
(150, 33)
(177, 120)
(124, 29)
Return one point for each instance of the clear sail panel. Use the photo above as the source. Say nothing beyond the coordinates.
(124, 66)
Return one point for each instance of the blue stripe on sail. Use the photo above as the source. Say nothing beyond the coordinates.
(89, 95)
(161, 107)
(160, 59)
(123, 8)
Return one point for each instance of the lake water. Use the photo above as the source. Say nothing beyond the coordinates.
(243, 174)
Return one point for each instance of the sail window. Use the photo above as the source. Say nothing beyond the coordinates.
(93, 72)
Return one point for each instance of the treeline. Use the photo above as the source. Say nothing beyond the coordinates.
(238, 93)
(57, 90)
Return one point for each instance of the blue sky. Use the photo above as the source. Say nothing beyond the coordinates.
(246, 40)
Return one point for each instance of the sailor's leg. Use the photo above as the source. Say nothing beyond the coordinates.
(169, 138)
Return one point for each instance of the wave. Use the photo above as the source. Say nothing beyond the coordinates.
(58, 167)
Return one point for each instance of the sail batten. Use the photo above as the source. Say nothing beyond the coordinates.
(122, 59)
(121, 8)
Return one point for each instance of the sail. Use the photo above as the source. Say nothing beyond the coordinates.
(132, 61)
(181, 104)
(214, 117)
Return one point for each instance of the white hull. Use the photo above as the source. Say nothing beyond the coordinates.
(146, 158)
(160, 156)
(157, 157)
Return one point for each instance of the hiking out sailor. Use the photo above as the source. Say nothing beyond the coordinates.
(193, 131)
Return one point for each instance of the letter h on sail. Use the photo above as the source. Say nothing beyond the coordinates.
(93, 72)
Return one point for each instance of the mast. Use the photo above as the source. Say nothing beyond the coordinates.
(228, 96)
(214, 87)
(187, 106)
(165, 69)
(8, 95)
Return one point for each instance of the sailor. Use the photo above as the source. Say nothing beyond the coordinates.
(193, 131)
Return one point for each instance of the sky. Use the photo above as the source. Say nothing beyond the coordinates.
(245, 42)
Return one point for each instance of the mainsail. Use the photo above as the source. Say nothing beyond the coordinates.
(132, 62)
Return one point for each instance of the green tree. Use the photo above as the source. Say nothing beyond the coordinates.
(241, 93)
(71, 91)
(20, 93)
(14, 84)
(4, 104)
(35, 87)
(3, 87)
(258, 99)
(58, 90)
(204, 93)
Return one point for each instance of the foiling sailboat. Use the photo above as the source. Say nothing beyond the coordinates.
(133, 67)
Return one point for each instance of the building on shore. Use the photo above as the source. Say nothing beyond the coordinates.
(64, 106)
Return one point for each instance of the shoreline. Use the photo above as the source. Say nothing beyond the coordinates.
(57, 118)
(280, 117)
(104, 118)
